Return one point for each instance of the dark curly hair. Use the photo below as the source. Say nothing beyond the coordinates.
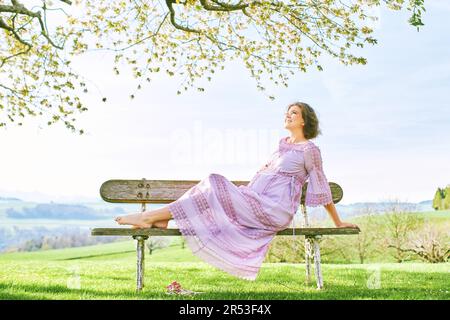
(311, 128)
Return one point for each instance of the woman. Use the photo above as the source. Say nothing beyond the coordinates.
(231, 227)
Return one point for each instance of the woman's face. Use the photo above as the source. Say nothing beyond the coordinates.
(293, 118)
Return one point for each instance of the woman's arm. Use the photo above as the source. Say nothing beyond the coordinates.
(318, 191)
(331, 208)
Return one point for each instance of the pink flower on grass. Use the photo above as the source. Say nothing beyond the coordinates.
(175, 288)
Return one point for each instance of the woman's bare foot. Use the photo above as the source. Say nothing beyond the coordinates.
(158, 218)
(161, 224)
(344, 224)
(157, 224)
(137, 220)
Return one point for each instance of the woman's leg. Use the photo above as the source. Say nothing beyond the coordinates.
(159, 218)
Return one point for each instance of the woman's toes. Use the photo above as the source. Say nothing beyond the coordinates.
(132, 219)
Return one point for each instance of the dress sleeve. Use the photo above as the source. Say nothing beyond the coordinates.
(318, 190)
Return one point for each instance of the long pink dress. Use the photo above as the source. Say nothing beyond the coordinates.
(231, 227)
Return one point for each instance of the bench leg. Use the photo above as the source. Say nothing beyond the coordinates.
(317, 267)
(140, 250)
(308, 259)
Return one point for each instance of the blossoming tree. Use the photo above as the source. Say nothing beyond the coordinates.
(190, 38)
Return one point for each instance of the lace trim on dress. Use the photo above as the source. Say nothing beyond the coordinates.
(285, 145)
(314, 200)
(202, 208)
(258, 210)
(205, 253)
(225, 198)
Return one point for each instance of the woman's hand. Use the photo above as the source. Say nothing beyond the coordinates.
(331, 208)
(343, 224)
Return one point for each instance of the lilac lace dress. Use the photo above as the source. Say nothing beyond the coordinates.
(231, 227)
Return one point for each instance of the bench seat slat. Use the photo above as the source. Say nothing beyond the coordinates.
(167, 191)
(176, 232)
(147, 191)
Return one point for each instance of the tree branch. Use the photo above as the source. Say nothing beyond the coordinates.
(222, 6)
(169, 4)
(19, 8)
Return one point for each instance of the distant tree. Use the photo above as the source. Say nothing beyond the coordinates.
(46, 239)
(46, 243)
(398, 226)
(359, 247)
(441, 200)
(31, 245)
(366, 240)
(438, 199)
(154, 243)
(286, 249)
(429, 244)
(446, 205)
(191, 38)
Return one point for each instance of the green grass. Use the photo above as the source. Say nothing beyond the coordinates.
(434, 216)
(108, 272)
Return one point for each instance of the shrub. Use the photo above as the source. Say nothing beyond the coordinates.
(430, 244)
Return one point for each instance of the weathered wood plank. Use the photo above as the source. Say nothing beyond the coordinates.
(166, 191)
(176, 232)
(147, 191)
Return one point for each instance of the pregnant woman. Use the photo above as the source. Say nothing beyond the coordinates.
(231, 227)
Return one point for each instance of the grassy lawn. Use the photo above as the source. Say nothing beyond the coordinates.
(108, 272)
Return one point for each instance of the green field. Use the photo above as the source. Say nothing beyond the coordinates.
(108, 272)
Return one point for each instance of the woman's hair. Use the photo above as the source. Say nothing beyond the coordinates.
(311, 128)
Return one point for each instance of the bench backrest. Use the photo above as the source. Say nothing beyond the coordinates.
(166, 191)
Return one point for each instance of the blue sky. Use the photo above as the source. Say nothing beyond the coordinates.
(385, 125)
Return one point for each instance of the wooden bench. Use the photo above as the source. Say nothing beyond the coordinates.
(165, 191)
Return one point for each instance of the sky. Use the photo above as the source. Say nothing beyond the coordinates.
(385, 125)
